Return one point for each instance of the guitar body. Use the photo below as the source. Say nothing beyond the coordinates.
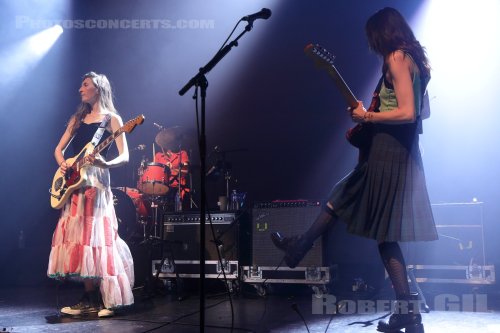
(64, 185)
(360, 136)
(76, 173)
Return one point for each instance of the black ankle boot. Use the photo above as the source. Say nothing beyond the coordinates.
(407, 317)
(295, 248)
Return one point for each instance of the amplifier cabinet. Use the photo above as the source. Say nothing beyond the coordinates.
(182, 236)
(289, 221)
(461, 237)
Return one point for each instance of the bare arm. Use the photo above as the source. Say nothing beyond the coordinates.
(63, 144)
(400, 71)
(121, 144)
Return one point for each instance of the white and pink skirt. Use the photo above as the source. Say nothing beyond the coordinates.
(86, 245)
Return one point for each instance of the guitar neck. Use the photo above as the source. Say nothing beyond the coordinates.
(107, 142)
(80, 162)
(351, 100)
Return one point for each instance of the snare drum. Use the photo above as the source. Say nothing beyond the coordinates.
(154, 179)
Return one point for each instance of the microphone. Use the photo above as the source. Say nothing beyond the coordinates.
(263, 14)
(139, 147)
(158, 125)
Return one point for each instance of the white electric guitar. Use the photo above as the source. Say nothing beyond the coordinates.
(65, 184)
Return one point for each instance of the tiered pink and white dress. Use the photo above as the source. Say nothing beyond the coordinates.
(86, 243)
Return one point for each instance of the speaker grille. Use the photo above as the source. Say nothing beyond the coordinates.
(289, 221)
(182, 236)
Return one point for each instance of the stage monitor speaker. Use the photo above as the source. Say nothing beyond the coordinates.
(461, 237)
(182, 236)
(289, 220)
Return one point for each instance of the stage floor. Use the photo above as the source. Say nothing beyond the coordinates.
(32, 309)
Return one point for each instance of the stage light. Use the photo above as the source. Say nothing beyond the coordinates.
(463, 47)
(20, 58)
(43, 41)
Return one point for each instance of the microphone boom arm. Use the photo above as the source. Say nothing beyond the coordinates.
(200, 77)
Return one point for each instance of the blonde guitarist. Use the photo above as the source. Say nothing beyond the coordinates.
(85, 244)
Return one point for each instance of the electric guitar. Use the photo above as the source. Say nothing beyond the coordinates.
(74, 178)
(359, 135)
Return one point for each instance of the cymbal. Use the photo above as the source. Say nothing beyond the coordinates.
(170, 138)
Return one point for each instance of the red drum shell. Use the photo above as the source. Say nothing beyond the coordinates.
(154, 180)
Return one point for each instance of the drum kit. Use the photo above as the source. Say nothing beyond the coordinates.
(162, 183)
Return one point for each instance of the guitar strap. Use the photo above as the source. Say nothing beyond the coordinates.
(100, 131)
(375, 103)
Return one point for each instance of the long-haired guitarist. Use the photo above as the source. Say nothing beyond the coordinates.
(85, 244)
(385, 197)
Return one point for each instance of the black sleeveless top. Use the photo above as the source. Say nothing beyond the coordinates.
(84, 135)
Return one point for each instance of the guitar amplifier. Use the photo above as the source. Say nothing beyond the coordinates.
(182, 235)
(290, 218)
(461, 237)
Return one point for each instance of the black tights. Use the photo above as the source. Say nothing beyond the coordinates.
(394, 263)
(323, 221)
(389, 251)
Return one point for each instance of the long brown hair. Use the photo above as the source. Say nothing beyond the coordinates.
(103, 86)
(388, 31)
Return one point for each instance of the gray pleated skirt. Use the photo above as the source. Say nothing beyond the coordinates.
(385, 197)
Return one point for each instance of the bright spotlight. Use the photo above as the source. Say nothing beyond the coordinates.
(21, 57)
(43, 41)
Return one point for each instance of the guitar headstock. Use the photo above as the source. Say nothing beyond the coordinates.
(321, 56)
(131, 124)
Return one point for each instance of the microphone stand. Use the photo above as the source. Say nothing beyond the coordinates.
(200, 80)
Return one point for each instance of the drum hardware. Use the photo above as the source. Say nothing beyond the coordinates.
(152, 284)
(192, 204)
(178, 199)
(156, 182)
(154, 209)
(223, 168)
(171, 141)
(139, 147)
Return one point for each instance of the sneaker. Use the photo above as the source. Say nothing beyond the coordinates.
(79, 309)
(105, 313)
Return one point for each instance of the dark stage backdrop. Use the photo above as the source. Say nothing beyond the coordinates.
(282, 119)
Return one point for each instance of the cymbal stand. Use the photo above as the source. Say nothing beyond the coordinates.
(144, 223)
(192, 204)
(226, 170)
(154, 209)
(227, 177)
(179, 177)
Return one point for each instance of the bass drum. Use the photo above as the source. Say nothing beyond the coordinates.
(127, 211)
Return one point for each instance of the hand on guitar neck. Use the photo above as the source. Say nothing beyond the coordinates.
(359, 113)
